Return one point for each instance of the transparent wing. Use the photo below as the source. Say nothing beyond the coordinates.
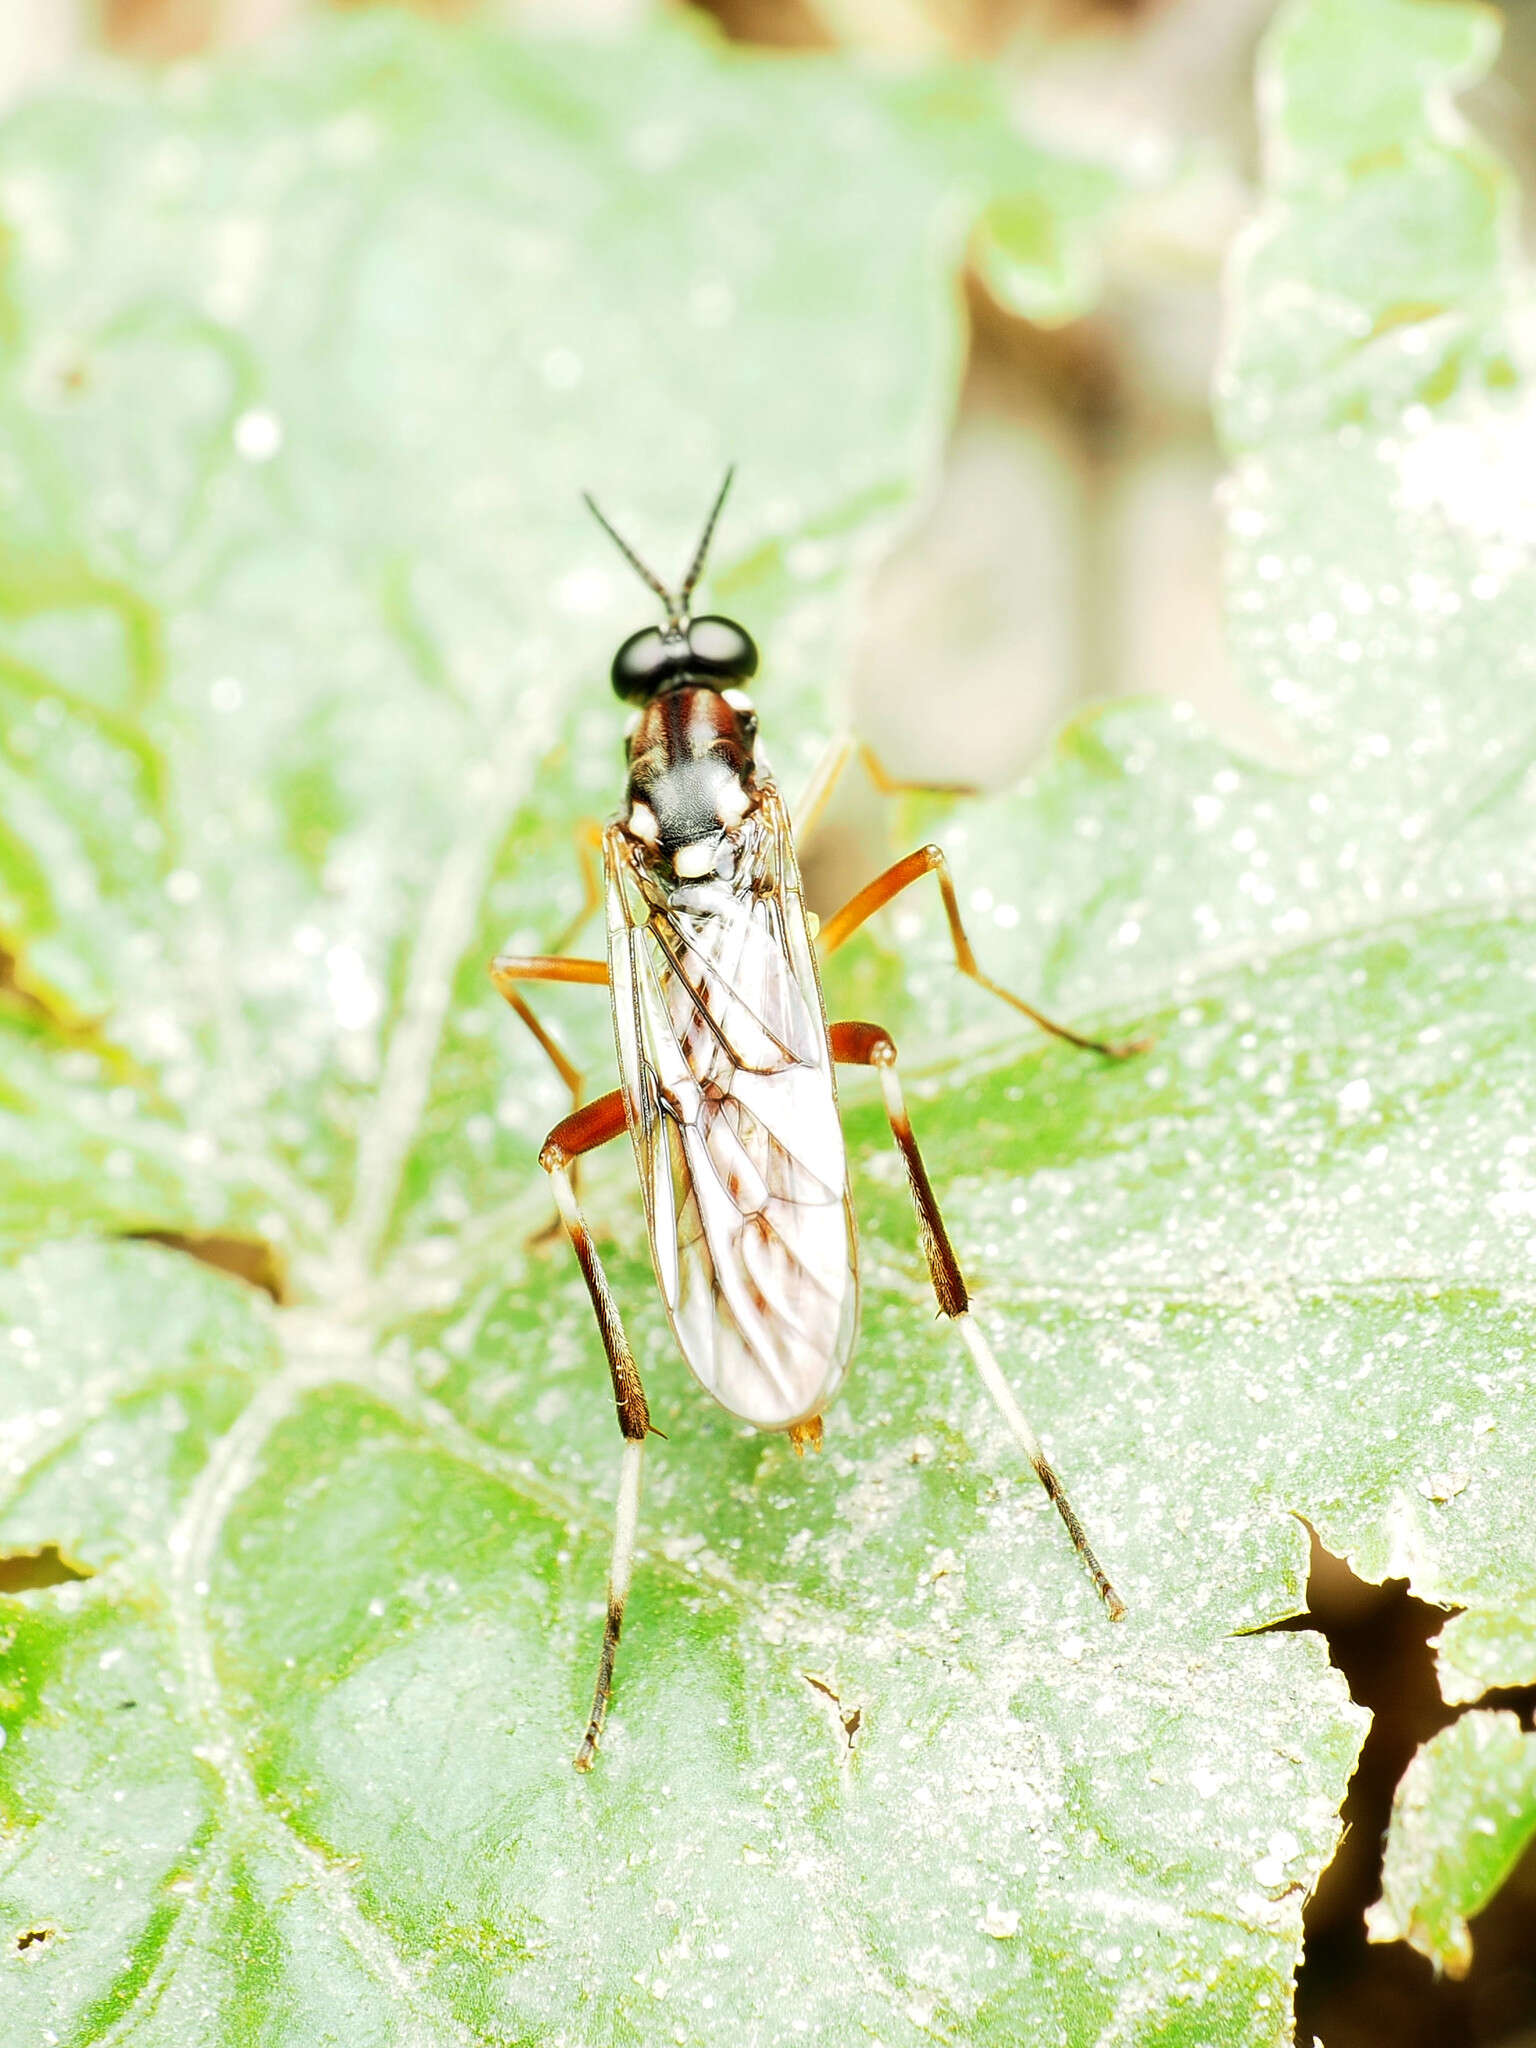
(733, 1112)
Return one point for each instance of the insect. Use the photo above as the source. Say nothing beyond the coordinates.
(726, 1065)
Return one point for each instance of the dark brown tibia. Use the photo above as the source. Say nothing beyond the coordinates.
(866, 1045)
(598, 1123)
(582, 1132)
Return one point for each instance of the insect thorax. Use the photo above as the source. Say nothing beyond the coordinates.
(691, 780)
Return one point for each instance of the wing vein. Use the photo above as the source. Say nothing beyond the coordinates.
(734, 1122)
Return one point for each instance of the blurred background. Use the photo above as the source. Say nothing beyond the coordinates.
(1071, 553)
(1074, 541)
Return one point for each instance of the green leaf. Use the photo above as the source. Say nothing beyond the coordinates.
(1463, 1815)
(1388, 235)
(303, 637)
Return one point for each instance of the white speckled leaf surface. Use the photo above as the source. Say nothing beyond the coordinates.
(301, 642)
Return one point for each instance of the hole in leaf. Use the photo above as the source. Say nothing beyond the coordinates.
(849, 1718)
(1349, 1992)
(35, 1937)
(25, 1571)
(248, 1258)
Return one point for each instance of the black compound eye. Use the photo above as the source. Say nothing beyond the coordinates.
(647, 660)
(719, 647)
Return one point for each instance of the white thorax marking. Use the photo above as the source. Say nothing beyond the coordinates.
(692, 863)
(732, 803)
(642, 823)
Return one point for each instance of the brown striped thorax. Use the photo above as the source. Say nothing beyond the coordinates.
(692, 773)
(692, 778)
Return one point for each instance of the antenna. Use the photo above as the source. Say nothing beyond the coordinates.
(696, 566)
(646, 575)
(677, 607)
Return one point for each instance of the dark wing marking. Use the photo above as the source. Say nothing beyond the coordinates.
(728, 1076)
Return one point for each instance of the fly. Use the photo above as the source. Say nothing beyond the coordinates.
(726, 1065)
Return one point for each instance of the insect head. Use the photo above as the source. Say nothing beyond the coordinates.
(710, 650)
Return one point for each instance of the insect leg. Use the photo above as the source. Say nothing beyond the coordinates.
(929, 860)
(583, 1131)
(507, 969)
(828, 772)
(589, 844)
(866, 1045)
